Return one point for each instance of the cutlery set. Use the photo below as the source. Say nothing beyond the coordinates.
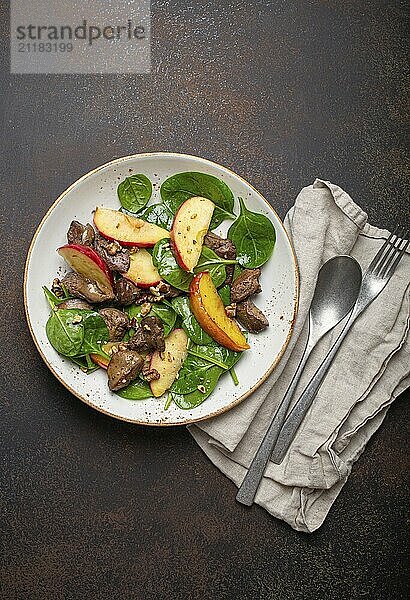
(340, 291)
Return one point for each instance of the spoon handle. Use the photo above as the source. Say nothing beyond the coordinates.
(298, 412)
(250, 483)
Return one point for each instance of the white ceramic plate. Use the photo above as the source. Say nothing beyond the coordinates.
(278, 299)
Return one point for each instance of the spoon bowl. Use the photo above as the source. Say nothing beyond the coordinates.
(337, 287)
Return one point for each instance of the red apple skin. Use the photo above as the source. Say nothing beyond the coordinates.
(179, 258)
(100, 361)
(177, 255)
(140, 244)
(127, 244)
(92, 255)
(144, 285)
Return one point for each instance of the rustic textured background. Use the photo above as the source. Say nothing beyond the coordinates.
(282, 92)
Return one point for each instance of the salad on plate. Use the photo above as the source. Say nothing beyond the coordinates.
(154, 296)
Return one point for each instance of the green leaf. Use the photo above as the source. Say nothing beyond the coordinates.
(95, 332)
(196, 397)
(168, 268)
(167, 315)
(134, 192)
(194, 373)
(236, 272)
(84, 364)
(53, 300)
(75, 333)
(189, 323)
(178, 188)
(137, 390)
(215, 351)
(158, 214)
(134, 312)
(165, 261)
(254, 237)
(225, 294)
(63, 334)
(161, 310)
(216, 270)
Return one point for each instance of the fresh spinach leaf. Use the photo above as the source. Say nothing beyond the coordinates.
(216, 353)
(137, 390)
(196, 397)
(75, 333)
(158, 214)
(167, 315)
(95, 332)
(237, 271)
(64, 333)
(134, 312)
(168, 268)
(53, 300)
(209, 261)
(195, 373)
(234, 376)
(178, 188)
(225, 294)
(254, 237)
(161, 310)
(189, 323)
(164, 260)
(85, 364)
(134, 192)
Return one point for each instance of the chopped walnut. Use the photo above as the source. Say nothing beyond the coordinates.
(151, 375)
(116, 348)
(160, 290)
(148, 373)
(76, 319)
(57, 288)
(145, 308)
(113, 248)
(154, 291)
(231, 310)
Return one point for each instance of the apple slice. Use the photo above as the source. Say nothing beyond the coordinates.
(127, 230)
(102, 361)
(85, 261)
(142, 271)
(169, 362)
(210, 313)
(190, 225)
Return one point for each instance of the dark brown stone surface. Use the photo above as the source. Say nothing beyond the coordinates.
(281, 92)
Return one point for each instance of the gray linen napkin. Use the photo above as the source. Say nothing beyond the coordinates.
(371, 369)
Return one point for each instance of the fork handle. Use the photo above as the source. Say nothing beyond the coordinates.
(298, 412)
(250, 483)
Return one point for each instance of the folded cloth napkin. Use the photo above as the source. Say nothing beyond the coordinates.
(370, 370)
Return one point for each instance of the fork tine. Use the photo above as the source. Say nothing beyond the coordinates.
(389, 257)
(396, 261)
(379, 255)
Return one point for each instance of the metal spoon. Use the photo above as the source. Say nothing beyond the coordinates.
(336, 291)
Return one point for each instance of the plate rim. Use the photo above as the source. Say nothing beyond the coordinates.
(236, 401)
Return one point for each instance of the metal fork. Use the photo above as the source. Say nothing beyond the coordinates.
(374, 281)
